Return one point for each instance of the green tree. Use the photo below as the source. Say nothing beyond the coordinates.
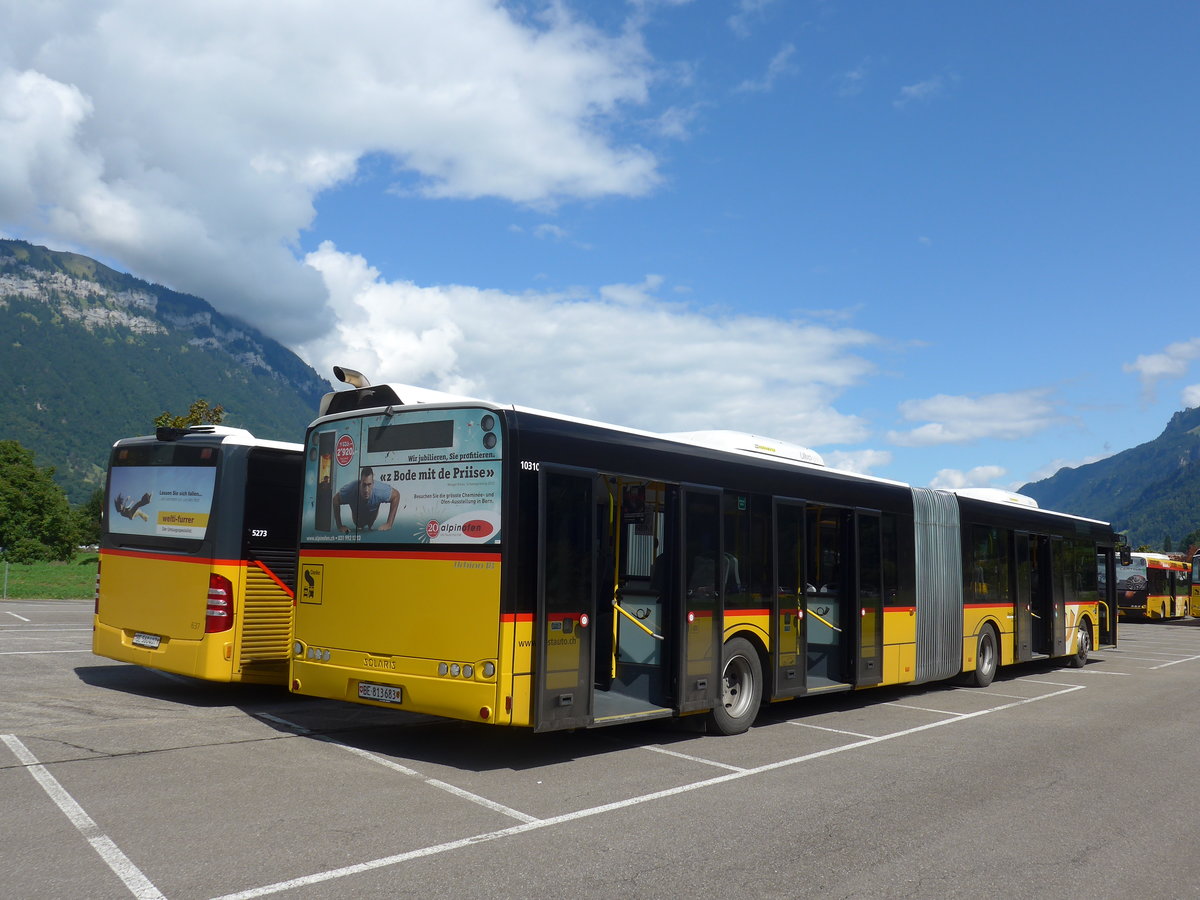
(35, 519)
(87, 518)
(199, 413)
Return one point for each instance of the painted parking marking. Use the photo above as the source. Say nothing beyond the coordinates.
(1175, 662)
(538, 824)
(834, 730)
(121, 865)
(404, 770)
(695, 759)
(942, 712)
(15, 616)
(38, 652)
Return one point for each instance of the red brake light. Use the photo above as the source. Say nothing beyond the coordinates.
(219, 615)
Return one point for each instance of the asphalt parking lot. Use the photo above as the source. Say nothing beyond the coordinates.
(120, 781)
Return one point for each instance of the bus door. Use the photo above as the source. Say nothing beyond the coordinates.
(1106, 572)
(1023, 621)
(636, 588)
(789, 620)
(699, 619)
(869, 621)
(566, 597)
(1063, 556)
(830, 597)
(1046, 597)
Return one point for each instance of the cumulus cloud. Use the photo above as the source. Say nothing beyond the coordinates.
(956, 479)
(864, 462)
(1191, 396)
(962, 420)
(1173, 362)
(188, 140)
(620, 355)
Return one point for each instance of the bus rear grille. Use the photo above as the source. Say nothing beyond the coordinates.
(266, 618)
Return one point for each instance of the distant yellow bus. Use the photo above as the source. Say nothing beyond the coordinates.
(485, 562)
(198, 554)
(1153, 586)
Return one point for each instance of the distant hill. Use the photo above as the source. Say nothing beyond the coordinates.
(1151, 491)
(90, 355)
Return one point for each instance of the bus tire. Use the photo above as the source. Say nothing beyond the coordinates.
(1083, 644)
(987, 659)
(741, 687)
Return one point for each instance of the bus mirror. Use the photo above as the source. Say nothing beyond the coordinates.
(1126, 555)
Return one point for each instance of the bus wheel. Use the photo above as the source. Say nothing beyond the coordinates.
(987, 659)
(741, 687)
(1083, 644)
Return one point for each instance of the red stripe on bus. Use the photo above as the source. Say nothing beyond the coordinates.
(513, 618)
(169, 557)
(747, 612)
(287, 590)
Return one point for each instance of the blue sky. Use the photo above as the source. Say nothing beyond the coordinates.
(948, 243)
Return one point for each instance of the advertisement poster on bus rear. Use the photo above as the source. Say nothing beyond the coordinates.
(416, 477)
(164, 501)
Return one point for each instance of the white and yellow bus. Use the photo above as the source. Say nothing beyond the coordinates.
(503, 565)
(198, 554)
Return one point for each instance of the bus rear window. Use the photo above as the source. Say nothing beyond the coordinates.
(161, 491)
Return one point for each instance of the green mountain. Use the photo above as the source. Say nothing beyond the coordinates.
(1150, 492)
(90, 355)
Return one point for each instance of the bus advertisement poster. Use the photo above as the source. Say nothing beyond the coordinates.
(421, 477)
(166, 501)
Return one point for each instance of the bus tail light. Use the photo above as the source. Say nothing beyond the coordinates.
(219, 615)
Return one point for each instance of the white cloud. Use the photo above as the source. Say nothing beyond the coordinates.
(624, 356)
(956, 479)
(1191, 396)
(864, 462)
(961, 420)
(188, 140)
(921, 92)
(780, 65)
(1173, 362)
(1053, 467)
(747, 12)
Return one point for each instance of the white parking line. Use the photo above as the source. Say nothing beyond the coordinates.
(386, 861)
(121, 864)
(37, 652)
(1176, 662)
(695, 759)
(404, 770)
(941, 712)
(834, 730)
(15, 616)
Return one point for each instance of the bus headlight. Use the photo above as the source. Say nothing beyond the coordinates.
(489, 669)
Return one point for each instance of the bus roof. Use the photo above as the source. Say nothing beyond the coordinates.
(734, 442)
(223, 433)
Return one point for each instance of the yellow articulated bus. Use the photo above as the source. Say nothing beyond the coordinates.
(198, 554)
(507, 566)
(1152, 586)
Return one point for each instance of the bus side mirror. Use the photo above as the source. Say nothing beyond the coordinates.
(1126, 555)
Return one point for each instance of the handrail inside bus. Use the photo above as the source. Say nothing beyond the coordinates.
(823, 621)
(634, 619)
